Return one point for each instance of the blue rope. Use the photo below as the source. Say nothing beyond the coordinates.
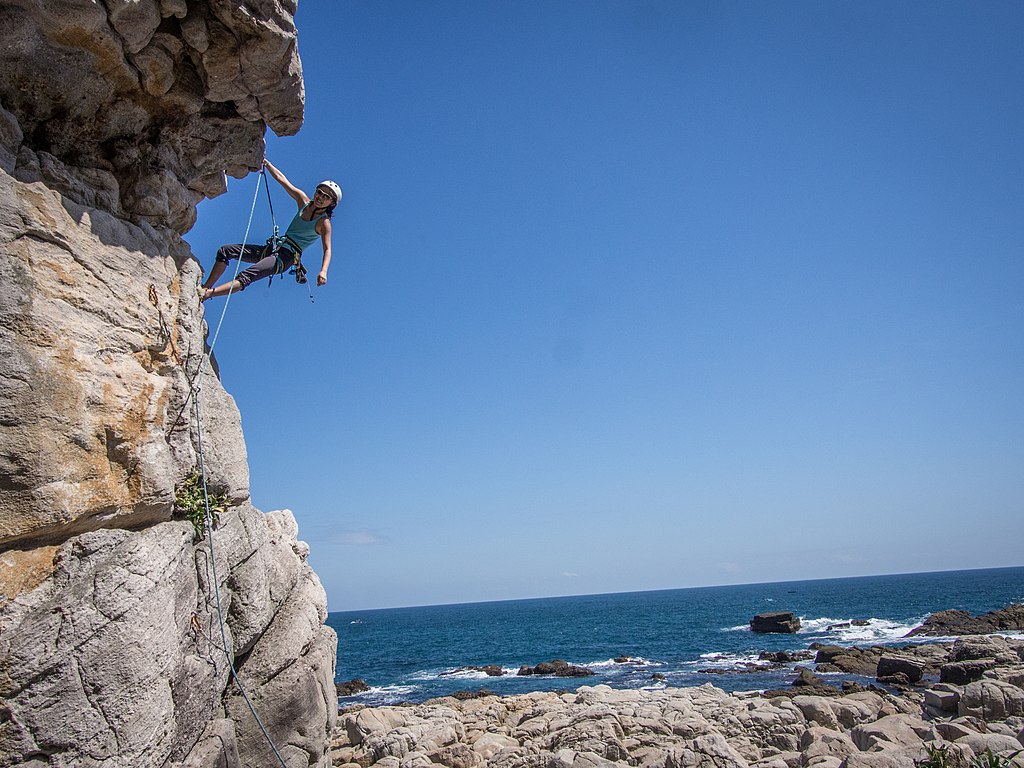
(197, 389)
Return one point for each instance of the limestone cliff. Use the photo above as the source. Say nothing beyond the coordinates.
(116, 119)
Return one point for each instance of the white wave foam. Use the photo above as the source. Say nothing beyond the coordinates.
(844, 632)
(716, 660)
(384, 694)
(737, 628)
(658, 686)
(453, 673)
(634, 661)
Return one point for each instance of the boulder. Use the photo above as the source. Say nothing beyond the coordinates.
(558, 668)
(998, 743)
(891, 665)
(992, 700)
(964, 672)
(490, 744)
(351, 687)
(943, 701)
(854, 661)
(116, 657)
(818, 743)
(1000, 649)
(807, 678)
(892, 731)
(775, 622)
(816, 709)
(955, 622)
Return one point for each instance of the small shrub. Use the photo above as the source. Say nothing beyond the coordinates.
(938, 757)
(989, 759)
(189, 503)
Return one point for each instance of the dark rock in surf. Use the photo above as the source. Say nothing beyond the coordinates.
(351, 687)
(964, 672)
(890, 667)
(556, 667)
(466, 695)
(806, 678)
(491, 670)
(785, 657)
(777, 622)
(955, 623)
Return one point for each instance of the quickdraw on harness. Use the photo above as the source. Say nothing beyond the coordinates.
(276, 244)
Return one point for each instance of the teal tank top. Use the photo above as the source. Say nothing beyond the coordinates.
(301, 232)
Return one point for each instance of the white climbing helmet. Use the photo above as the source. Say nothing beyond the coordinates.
(333, 187)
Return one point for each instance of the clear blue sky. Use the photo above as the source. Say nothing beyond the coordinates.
(639, 295)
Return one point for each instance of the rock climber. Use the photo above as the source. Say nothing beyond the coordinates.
(312, 220)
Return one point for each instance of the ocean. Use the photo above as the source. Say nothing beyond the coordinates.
(677, 637)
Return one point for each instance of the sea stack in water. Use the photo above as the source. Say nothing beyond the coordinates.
(779, 622)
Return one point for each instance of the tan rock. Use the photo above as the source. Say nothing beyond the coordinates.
(490, 744)
(892, 732)
(817, 709)
(818, 742)
(992, 700)
(1000, 744)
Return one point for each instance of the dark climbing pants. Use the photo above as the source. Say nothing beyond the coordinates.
(264, 261)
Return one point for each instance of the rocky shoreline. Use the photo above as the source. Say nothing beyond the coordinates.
(951, 704)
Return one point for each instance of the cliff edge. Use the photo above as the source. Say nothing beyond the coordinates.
(116, 119)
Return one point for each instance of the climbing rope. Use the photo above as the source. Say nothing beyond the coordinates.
(216, 589)
(196, 388)
(300, 276)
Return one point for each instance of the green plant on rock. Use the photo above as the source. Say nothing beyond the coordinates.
(989, 759)
(189, 503)
(938, 757)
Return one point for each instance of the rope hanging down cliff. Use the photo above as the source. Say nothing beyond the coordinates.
(195, 387)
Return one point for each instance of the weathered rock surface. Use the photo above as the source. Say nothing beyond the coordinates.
(116, 118)
(693, 727)
(954, 623)
(556, 667)
(778, 621)
(116, 659)
(167, 96)
(670, 728)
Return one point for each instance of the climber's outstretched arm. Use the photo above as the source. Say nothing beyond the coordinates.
(294, 192)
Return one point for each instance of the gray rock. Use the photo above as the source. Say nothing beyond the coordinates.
(145, 85)
(889, 665)
(1000, 744)
(817, 744)
(945, 701)
(110, 641)
(1000, 649)
(217, 746)
(964, 672)
(992, 700)
(115, 658)
(775, 622)
(891, 731)
(817, 709)
(955, 622)
(92, 384)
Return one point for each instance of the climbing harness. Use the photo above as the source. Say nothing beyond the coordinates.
(276, 244)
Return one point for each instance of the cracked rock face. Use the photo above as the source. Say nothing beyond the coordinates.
(116, 118)
(99, 347)
(150, 101)
(117, 659)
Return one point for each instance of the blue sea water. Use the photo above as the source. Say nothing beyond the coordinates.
(688, 636)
